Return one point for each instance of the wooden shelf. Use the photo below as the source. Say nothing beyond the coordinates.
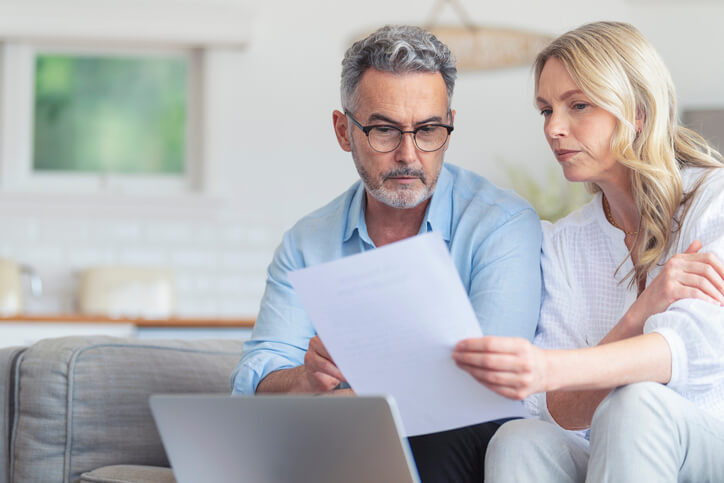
(93, 319)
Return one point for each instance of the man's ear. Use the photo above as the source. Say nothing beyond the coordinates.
(452, 123)
(341, 130)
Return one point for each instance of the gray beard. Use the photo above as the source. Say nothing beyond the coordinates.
(404, 196)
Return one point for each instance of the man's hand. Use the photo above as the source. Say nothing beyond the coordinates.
(690, 275)
(510, 366)
(321, 372)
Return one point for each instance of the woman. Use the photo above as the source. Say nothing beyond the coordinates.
(630, 341)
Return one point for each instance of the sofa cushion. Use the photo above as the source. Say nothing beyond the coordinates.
(83, 401)
(129, 474)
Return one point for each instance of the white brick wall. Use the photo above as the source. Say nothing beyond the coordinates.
(217, 252)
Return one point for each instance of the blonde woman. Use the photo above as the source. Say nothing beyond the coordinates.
(630, 342)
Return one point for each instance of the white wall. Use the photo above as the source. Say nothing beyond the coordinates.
(270, 111)
(280, 141)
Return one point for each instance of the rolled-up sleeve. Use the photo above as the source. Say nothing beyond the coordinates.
(694, 329)
(282, 330)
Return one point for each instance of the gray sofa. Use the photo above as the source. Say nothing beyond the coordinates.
(76, 408)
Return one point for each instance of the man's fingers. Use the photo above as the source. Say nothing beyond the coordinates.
(315, 344)
(316, 362)
(324, 381)
(326, 367)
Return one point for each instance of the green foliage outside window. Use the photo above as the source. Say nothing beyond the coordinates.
(551, 195)
(110, 114)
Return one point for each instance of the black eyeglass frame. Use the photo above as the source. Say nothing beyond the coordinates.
(367, 129)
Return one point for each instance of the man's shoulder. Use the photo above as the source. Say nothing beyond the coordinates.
(329, 219)
(332, 214)
(477, 193)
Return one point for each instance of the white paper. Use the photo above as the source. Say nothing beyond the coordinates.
(390, 319)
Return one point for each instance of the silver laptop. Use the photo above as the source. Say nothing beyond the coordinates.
(274, 439)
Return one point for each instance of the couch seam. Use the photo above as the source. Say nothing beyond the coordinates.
(7, 407)
(71, 387)
(16, 415)
(69, 416)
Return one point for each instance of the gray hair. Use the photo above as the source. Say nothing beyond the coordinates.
(398, 49)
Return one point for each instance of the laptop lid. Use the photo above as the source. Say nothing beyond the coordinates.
(283, 438)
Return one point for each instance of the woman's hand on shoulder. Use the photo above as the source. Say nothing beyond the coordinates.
(688, 275)
(509, 366)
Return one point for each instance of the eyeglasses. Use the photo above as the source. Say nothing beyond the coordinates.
(384, 138)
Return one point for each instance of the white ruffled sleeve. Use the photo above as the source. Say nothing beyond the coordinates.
(694, 329)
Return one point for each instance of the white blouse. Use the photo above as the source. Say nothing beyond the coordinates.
(583, 297)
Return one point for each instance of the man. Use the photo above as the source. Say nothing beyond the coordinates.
(397, 86)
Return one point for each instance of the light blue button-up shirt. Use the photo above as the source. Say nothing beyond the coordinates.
(494, 237)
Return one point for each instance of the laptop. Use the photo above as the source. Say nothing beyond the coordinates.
(274, 439)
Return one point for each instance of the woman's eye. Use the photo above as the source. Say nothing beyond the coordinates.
(546, 112)
(579, 106)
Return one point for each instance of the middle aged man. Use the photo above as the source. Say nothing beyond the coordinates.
(397, 85)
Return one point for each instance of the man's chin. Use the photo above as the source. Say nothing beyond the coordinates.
(402, 199)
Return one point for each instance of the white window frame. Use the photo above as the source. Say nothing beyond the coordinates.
(17, 103)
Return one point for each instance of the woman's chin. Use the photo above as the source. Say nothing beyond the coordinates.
(573, 176)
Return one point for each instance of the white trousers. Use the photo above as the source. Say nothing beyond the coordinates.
(640, 433)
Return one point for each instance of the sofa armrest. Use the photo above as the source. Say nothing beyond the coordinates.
(9, 357)
(83, 401)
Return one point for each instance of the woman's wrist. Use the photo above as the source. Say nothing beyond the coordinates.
(632, 322)
(552, 366)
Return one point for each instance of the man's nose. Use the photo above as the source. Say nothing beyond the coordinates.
(407, 150)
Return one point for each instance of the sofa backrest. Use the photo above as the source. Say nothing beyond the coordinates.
(82, 402)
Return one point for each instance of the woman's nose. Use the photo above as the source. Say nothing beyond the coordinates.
(556, 126)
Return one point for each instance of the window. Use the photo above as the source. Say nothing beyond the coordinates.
(99, 120)
(109, 114)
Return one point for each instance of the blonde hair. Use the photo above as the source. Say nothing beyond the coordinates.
(619, 70)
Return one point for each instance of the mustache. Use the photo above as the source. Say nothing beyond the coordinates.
(407, 171)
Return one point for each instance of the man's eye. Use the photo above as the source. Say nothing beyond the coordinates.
(426, 129)
(385, 129)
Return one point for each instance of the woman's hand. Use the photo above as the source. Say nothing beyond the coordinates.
(510, 366)
(688, 275)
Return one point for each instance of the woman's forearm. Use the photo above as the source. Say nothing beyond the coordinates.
(579, 379)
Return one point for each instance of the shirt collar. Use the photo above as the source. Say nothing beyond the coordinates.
(439, 211)
(437, 216)
(356, 215)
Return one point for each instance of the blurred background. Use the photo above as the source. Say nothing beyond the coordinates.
(185, 136)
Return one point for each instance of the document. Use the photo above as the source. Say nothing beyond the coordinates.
(390, 318)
